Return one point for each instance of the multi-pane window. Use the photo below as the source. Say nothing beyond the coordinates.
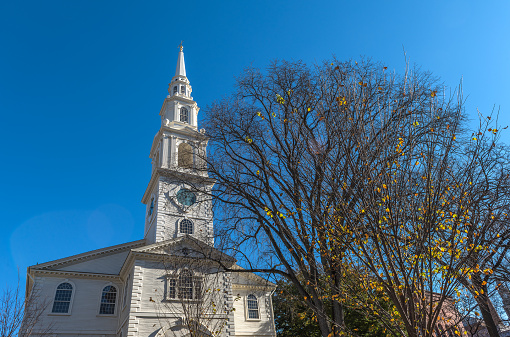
(185, 286)
(108, 298)
(197, 284)
(175, 90)
(183, 89)
(186, 226)
(253, 307)
(172, 284)
(184, 117)
(63, 298)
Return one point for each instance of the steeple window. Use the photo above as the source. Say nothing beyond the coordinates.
(185, 155)
(186, 226)
(175, 90)
(183, 90)
(184, 117)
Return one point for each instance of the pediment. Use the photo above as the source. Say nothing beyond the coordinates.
(185, 247)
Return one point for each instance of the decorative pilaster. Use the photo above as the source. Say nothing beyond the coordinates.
(229, 303)
(136, 300)
(165, 158)
(173, 152)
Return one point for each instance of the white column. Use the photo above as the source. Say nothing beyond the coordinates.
(193, 116)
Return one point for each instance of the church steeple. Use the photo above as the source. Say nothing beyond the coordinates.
(176, 195)
(180, 86)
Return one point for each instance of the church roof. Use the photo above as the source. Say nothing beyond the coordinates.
(67, 262)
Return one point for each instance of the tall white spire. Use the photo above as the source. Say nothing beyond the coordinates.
(180, 70)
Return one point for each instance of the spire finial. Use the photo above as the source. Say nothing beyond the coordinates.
(181, 68)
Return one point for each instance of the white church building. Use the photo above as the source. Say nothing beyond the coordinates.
(173, 281)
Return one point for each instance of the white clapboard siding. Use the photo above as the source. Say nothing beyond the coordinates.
(84, 318)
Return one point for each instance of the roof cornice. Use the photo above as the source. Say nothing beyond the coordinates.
(73, 274)
(88, 255)
(250, 286)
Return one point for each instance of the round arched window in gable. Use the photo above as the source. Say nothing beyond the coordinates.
(185, 155)
(186, 226)
(184, 116)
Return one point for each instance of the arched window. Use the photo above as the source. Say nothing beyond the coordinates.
(184, 117)
(63, 298)
(186, 285)
(108, 298)
(185, 155)
(183, 89)
(175, 90)
(186, 226)
(253, 307)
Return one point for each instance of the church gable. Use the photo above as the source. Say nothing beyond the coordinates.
(186, 248)
(107, 260)
(110, 264)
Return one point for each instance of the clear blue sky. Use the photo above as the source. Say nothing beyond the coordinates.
(82, 82)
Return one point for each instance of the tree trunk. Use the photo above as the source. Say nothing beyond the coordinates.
(484, 304)
(338, 310)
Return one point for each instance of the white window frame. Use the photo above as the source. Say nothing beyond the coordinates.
(195, 277)
(246, 312)
(192, 227)
(99, 314)
(69, 311)
(187, 115)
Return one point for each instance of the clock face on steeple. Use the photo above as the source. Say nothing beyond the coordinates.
(186, 197)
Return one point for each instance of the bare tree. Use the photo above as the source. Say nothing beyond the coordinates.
(345, 167)
(20, 315)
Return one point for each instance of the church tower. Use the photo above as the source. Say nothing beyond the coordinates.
(176, 198)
